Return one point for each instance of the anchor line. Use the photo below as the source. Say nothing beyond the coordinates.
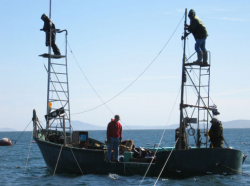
(6, 154)
(104, 103)
(28, 154)
(226, 142)
(58, 160)
(166, 162)
(161, 138)
(76, 161)
(218, 164)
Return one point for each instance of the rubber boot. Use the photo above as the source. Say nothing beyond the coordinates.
(199, 55)
(205, 58)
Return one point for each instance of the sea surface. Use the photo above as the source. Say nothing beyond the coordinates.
(23, 164)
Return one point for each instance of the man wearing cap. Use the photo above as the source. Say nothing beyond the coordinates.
(114, 137)
(216, 133)
(198, 29)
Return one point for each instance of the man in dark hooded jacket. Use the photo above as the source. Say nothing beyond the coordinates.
(198, 29)
(49, 25)
(216, 133)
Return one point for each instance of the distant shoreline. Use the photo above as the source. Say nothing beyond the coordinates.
(105, 130)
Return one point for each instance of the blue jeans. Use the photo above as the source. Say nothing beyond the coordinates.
(113, 144)
(200, 45)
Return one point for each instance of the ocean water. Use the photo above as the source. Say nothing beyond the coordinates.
(23, 164)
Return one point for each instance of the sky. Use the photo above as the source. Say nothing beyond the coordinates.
(112, 43)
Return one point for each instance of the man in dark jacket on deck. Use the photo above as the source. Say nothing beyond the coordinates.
(216, 133)
(198, 29)
(114, 137)
(48, 27)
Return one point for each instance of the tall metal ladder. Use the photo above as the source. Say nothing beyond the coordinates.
(202, 86)
(58, 92)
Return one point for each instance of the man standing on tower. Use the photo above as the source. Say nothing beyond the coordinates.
(198, 29)
(114, 137)
(49, 27)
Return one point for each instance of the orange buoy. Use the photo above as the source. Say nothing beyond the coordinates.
(5, 142)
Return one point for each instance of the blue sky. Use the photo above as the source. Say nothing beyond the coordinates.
(113, 42)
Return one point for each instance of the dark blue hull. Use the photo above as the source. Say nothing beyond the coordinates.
(181, 163)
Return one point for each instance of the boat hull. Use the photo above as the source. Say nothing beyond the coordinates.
(182, 163)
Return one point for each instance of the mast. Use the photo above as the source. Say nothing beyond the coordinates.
(49, 63)
(197, 113)
(58, 103)
(179, 144)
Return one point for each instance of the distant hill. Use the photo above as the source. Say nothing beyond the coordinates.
(6, 130)
(237, 124)
(78, 125)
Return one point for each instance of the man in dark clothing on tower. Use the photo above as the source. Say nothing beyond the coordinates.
(50, 26)
(114, 137)
(216, 133)
(198, 29)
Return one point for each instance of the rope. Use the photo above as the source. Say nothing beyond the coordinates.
(76, 161)
(57, 160)
(161, 138)
(218, 164)
(166, 162)
(6, 154)
(104, 103)
(28, 153)
(226, 142)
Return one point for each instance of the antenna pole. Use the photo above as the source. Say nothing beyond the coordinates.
(50, 9)
(49, 63)
(182, 127)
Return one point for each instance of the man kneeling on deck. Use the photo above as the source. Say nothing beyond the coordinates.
(114, 137)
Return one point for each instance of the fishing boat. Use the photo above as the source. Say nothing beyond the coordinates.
(68, 151)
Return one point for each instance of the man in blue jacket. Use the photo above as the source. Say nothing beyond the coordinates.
(198, 29)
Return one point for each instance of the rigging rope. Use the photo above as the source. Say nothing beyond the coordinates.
(57, 160)
(161, 137)
(76, 160)
(166, 162)
(3, 158)
(218, 164)
(28, 153)
(104, 103)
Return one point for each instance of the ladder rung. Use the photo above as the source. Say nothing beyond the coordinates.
(57, 82)
(58, 91)
(58, 73)
(52, 109)
(201, 86)
(57, 64)
(57, 100)
(59, 127)
(202, 108)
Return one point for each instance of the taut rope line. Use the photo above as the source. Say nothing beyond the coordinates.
(104, 103)
(161, 138)
(166, 162)
(58, 160)
(28, 153)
